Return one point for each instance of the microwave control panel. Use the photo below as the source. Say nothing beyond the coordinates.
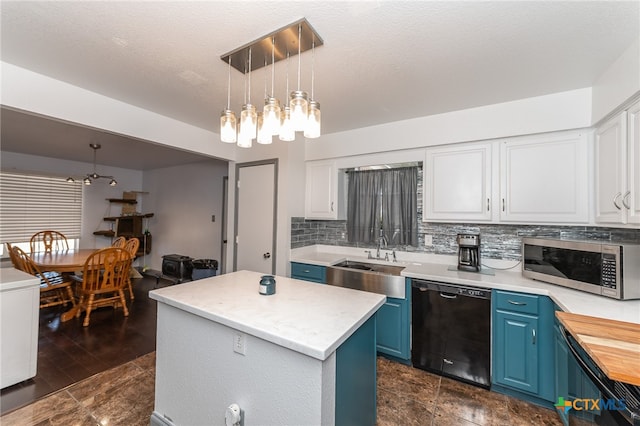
(609, 272)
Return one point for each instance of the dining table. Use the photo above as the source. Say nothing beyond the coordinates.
(62, 261)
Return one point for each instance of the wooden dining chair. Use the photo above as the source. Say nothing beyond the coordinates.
(55, 289)
(132, 248)
(119, 242)
(103, 279)
(14, 260)
(49, 241)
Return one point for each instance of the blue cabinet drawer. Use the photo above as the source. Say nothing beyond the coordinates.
(517, 302)
(303, 271)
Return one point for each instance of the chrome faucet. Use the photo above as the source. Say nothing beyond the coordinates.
(381, 240)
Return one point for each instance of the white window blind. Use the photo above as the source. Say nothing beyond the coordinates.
(31, 203)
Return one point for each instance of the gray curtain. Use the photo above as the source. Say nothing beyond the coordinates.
(400, 206)
(384, 199)
(364, 206)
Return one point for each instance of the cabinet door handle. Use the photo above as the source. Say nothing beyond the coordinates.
(503, 204)
(446, 361)
(533, 336)
(487, 204)
(332, 206)
(615, 200)
(624, 200)
(513, 302)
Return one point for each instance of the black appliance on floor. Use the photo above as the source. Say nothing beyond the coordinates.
(451, 331)
(177, 266)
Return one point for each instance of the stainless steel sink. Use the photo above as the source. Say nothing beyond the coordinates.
(373, 277)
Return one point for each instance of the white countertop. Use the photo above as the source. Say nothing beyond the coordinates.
(436, 268)
(11, 279)
(309, 318)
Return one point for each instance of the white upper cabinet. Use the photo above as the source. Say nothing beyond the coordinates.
(611, 170)
(617, 153)
(544, 178)
(321, 196)
(457, 183)
(632, 201)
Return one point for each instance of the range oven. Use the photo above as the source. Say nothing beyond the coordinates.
(625, 397)
(605, 268)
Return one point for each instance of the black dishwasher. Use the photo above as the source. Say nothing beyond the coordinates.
(451, 331)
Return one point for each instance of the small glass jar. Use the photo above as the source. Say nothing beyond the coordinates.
(267, 285)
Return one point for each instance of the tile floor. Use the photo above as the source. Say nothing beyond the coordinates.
(406, 396)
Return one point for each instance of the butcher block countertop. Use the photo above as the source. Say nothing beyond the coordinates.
(613, 345)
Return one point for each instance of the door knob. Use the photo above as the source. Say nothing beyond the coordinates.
(266, 255)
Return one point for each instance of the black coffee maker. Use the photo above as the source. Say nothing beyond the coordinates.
(469, 252)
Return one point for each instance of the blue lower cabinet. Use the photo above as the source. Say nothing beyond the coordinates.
(570, 381)
(313, 273)
(356, 377)
(393, 326)
(523, 346)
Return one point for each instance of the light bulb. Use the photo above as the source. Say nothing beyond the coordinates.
(299, 109)
(312, 128)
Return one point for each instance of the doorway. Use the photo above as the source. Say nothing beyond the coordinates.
(255, 217)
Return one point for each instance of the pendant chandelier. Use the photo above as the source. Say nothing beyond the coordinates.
(298, 113)
(90, 177)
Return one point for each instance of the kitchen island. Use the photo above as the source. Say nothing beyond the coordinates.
(305, 355)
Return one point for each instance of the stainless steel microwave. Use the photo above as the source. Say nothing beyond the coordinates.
(605, 268)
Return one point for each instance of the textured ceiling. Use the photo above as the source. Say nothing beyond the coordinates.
(382, 61)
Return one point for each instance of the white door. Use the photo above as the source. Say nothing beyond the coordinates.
(255, 217)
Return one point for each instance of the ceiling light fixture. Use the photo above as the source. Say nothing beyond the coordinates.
(295, 38)
(89, 178)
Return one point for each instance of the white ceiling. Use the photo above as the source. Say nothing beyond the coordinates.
(382, 61)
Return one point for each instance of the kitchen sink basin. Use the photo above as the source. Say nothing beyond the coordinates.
(373, 267)
(373, 277)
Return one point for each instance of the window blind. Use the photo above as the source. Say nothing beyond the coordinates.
(31, 203)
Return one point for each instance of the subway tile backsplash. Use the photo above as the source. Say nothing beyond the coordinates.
(498, 241)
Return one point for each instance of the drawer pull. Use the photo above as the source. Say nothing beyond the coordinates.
(516, 303)
(446, 361)
(306, 271)
(448, 296)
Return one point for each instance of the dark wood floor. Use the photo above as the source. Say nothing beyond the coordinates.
(68, 352)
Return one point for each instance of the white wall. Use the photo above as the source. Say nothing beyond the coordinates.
(94, 197)
(620, 82)
(290, 202)
(183, 199)
(558, 111)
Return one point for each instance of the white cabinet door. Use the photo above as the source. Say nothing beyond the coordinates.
(544, 179)
(457, 183)
(321, 189)
(631, 199)
(610, 168)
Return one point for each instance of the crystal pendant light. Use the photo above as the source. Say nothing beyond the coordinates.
(298, 99)
(248, 117)
(286, 126)
(271, 109)
(228, 117)
(312, 128)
